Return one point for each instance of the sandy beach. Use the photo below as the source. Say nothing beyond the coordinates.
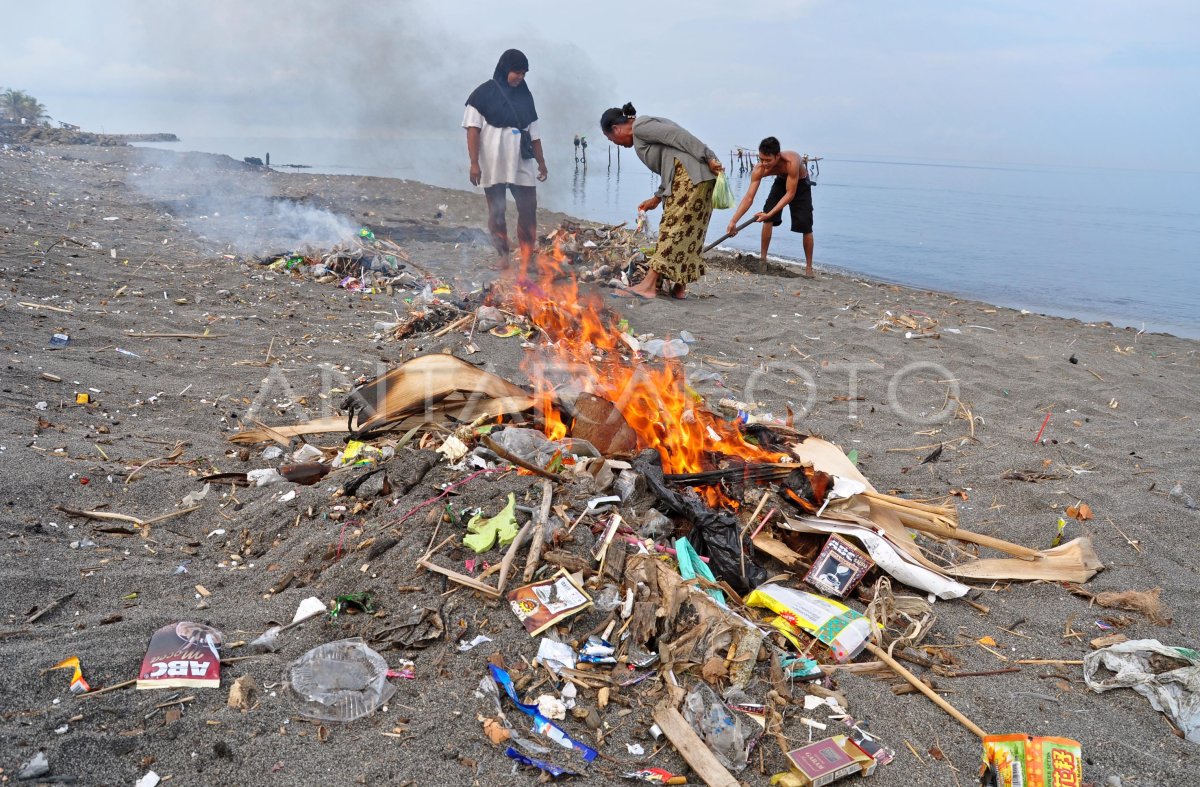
(99, 243)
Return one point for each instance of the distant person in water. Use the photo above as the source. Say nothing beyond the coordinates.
(688, 170)
(791, 189)
(503, 143)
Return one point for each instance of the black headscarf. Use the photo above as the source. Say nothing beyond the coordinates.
(503, 106)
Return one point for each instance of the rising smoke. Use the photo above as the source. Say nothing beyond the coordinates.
(382, 84)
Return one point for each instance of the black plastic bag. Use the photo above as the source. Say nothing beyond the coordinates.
(714, 533)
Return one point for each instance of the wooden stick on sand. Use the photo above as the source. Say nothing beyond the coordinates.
(693, 750)
(883, 656)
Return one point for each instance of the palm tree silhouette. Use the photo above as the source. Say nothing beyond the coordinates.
(17, 104)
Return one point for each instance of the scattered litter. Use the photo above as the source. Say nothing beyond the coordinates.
(543, 604)
(691, 566)
(659, 348)
(453, 449)
(306, 453)
(496, 732)
(150, 779)
(419, 627)
(841, 628)
(308, 608)
(541, 724)
(485, 533)
(1026, 761)
(551, 707)
(1177, 493)
(551, 770)
(479, 639)
(655, 776)
(826, 761)
(1171, 684)
(726, 732)
(597, 650)
(406, 670)
(341, 681)
(37, 766)
(268, 641)
(193, 498)
(265, 476)
(555, 655)
(838, 567)
(243, 694)
(78, 684)
(182, 655)
(352, 603)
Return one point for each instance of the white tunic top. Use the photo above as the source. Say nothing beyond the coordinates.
(500, 152)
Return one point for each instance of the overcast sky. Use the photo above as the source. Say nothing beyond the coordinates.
(1075, 82)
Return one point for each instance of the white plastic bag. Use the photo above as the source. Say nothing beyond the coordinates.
(1175, 693)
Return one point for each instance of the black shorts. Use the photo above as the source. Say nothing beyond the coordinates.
(800, 206)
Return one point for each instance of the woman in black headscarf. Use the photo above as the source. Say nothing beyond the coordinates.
(503, 143)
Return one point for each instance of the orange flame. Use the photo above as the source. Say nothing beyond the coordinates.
(587, 351)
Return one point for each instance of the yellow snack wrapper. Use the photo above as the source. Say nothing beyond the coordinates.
(833, 623)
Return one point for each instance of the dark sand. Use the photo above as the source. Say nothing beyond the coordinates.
(1123, 432)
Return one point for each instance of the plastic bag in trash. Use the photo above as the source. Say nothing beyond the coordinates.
(341, 681)
(725, 732)
(716, 534)
(1175, 692)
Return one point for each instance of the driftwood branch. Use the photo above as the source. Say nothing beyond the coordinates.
(539, 532)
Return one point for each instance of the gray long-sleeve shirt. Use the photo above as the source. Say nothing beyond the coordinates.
(658, 142)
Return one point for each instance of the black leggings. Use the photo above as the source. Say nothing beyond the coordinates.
(526, 199)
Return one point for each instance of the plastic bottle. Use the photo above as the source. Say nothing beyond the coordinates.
(675, 348)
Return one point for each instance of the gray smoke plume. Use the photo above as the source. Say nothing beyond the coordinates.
(379, 79)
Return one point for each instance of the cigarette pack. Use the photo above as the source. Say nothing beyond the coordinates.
(182, 655)
(839, 567)
(823, 762)
(543, 604)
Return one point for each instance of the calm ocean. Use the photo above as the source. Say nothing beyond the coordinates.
(1117, 244)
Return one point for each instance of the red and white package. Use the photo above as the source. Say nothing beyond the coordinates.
(182, 655)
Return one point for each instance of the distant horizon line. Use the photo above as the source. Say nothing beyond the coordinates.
(851, 158)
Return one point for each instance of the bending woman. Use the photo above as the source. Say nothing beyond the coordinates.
(503, 142)
(688, 169)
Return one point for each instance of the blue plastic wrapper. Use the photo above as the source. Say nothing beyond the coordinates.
(553, 770)
(541, 724)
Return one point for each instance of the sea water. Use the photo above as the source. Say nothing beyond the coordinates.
(1114, 244)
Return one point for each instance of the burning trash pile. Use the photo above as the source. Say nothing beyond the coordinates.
(720, 571)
